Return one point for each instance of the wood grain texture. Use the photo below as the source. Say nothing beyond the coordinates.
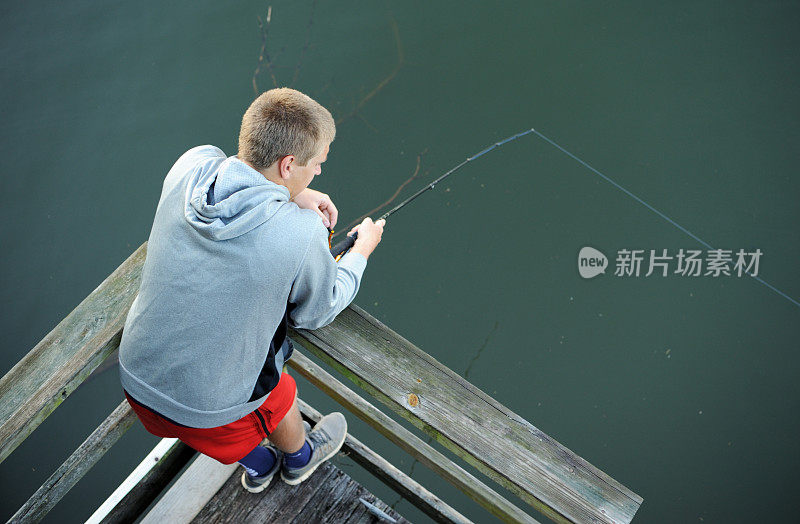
(191, 492)
(161, 468)
(410, 443)
(76, 466)
(327, 496)
(473, 425)
(53, 369)
(410, 489)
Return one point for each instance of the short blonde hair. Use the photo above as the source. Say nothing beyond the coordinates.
(284, 122)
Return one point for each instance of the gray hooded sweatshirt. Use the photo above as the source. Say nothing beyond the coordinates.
(231, 262)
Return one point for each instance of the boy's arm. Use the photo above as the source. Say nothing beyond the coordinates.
(323, 288)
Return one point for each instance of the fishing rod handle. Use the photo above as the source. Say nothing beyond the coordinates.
(344, 245)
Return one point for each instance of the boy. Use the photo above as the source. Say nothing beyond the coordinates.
(238, 252)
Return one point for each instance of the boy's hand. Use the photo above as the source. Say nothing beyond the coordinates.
(369, 236)
(320, 203)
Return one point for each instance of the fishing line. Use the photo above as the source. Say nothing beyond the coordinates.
(348, 242)
(659, 213)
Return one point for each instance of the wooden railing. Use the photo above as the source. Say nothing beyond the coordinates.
(476, 427)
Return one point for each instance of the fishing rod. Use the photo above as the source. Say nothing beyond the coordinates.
(341, 247)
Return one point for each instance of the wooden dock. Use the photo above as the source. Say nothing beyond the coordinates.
(501, 445)
(329, 495)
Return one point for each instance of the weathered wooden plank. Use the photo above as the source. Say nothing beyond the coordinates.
(223, 504)
(406, 440)
(145, 483)
(233, 504)
(328, 496)
(52, 370)
(279, 509)
(473, 425)
(336, 500)
(193, 489)
(410, 489)
(76, 466)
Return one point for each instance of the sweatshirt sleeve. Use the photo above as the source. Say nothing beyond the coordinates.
(323, 288)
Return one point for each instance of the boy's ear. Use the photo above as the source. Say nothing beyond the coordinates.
(285, 164)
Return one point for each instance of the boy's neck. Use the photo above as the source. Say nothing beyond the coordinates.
(271, 173)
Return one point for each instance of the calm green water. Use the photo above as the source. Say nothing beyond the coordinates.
(683, 389)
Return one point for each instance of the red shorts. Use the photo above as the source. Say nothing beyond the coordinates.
(231, 442)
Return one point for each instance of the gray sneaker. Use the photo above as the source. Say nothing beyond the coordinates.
(259, 484)
(325, 440)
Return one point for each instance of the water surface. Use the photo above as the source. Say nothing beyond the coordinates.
(683, 389)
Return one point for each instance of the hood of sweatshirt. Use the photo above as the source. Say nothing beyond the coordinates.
(226, 198)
